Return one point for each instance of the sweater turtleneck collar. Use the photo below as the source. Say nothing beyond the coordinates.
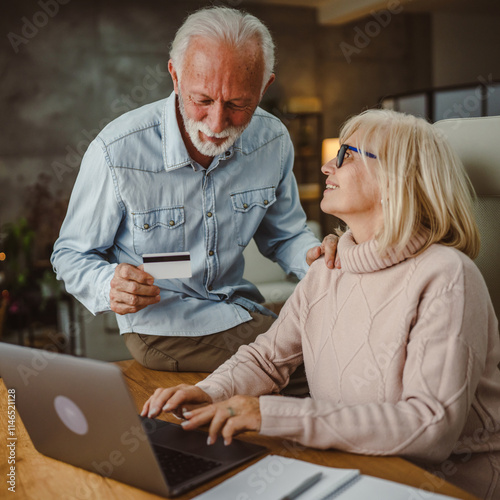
(364, 258)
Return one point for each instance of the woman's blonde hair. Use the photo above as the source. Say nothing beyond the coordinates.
(423, 184)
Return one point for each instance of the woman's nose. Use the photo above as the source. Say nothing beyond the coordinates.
(329, 167)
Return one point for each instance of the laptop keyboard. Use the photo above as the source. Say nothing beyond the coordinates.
(179, 467)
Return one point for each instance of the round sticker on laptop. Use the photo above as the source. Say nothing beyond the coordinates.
(71, 416)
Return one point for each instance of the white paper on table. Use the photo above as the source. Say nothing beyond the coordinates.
(274, 476)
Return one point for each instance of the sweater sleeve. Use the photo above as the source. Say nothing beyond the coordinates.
(446, 354)
(265, 365)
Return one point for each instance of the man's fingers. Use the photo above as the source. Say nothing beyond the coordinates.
(121, 309)
(132, 290)
(130, 286)
(125, 303)
(313, 254)
(329, 247)
(129, 272)
(136, 300)
(137, 288)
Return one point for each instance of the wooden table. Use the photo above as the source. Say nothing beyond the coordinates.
(39, 477)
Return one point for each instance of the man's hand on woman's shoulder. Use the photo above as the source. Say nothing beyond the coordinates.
(328, 248)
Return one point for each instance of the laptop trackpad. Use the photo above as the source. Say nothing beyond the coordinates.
(175, 437)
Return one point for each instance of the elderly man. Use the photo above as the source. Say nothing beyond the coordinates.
(203, 171)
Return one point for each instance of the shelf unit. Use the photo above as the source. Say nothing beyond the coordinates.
(306, 132)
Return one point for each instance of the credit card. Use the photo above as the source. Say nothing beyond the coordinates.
(168, 265)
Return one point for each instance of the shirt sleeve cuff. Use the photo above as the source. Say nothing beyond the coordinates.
(103, 300)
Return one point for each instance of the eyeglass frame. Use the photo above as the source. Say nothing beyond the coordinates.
(342, 151)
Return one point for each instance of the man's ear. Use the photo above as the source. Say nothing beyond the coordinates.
(175, 77)
(268, 84)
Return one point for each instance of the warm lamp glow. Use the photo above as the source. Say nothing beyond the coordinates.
(329, 149)
(2, 256)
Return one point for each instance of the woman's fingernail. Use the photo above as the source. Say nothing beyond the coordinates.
(209, 440)
(152, 412)
(183, 424)
(167, 407)
(330, 264)
(226, 442)
(186, 414)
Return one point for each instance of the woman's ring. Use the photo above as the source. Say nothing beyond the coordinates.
(231, 411)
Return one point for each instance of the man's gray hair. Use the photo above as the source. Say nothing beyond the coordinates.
(223, 24)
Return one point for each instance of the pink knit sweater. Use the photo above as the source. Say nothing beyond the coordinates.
(401, 357)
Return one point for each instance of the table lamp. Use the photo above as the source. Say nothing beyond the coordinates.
(329, 149)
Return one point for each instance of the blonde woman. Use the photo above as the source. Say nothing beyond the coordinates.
(400, 345)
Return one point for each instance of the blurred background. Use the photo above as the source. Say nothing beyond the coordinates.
(69, 67)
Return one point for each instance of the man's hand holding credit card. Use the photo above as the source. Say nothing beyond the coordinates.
(168, 265)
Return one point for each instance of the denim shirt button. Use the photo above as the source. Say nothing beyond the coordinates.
(211, 253)
(172, 223)
(228, 154)
(266, 202)
(146, 226)
(245, 205)
(210, 288)
(209, 214)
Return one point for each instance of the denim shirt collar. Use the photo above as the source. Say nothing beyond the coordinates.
(175, 154)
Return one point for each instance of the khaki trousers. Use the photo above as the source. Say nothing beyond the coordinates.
(204, 353)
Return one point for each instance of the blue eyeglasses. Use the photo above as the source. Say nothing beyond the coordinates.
(342, 151)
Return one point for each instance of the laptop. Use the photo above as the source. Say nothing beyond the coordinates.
(80, 411)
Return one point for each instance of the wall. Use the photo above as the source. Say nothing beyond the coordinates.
(466, 47)
(70, 67)
(361, 62)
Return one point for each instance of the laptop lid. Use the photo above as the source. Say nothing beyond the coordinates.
(80, 411)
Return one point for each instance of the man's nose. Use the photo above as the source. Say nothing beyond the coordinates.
(217, 118)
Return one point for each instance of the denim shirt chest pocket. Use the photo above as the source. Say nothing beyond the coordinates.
(158, 230)
(249, 209)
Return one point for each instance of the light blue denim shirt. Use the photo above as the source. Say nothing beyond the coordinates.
(138, 192)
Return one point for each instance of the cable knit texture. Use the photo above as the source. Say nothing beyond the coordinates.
(401, 357)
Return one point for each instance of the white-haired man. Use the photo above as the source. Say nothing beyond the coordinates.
(204, 171)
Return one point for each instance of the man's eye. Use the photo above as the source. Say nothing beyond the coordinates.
(235, 107)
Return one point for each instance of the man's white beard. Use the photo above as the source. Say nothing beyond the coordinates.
(208, 148)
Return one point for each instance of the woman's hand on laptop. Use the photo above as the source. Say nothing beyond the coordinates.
(175, 399)
(230, 417)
